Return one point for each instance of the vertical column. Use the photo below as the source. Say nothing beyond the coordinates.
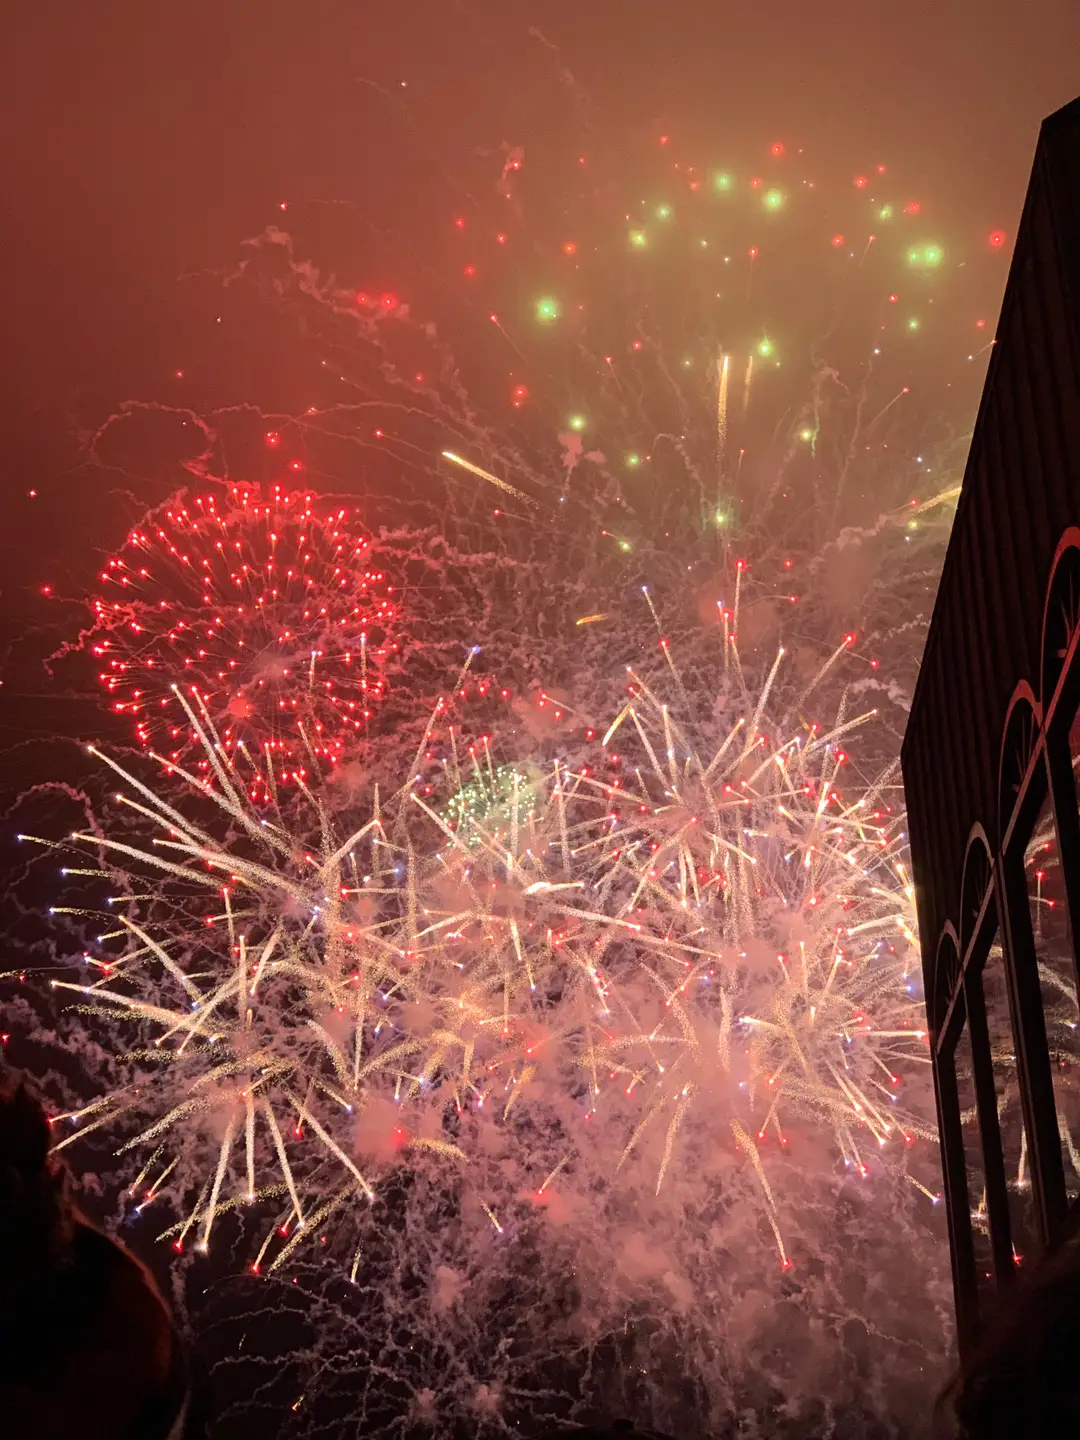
(957, 1202)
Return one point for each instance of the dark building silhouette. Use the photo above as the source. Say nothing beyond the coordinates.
(991, 763)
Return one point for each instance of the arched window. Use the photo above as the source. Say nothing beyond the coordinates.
(1061, 616)
(975, 886)
(1018, 746)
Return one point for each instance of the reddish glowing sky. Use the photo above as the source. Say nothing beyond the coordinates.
(144, 142)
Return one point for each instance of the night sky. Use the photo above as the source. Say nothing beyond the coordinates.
(144, 143)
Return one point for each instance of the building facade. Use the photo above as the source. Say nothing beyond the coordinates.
(991, 764)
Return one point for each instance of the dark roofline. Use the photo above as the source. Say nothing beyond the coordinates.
(1064, 119)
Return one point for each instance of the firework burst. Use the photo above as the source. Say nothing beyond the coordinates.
(256, 978)
(631, 982)
(786, 995)
(265, 610)
(745, 930)
(660, 368)
(589, 969)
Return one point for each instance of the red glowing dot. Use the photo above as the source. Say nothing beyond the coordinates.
(46, 589)
(913, 207)
(860, 182)
(378, 434)
(494, 319)
(664, 139)
(753, 252)
(880, 169)
(569, 248)
(980, 324)
(470, 271)
(389, 302)
(996, 239)
(295, 465)
(459, 223)
(273, 438)
(776, 148)
(500, 239)
(755, 183)
(838, 240)
(283, 205)
(893, 299)
(519, 395)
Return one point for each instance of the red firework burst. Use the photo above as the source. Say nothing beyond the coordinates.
(264, 611)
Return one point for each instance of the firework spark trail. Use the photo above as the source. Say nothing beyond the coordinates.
(486, 475)
(723, 364)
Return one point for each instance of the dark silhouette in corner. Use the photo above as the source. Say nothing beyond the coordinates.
(87, 1344)
(1022, 1376)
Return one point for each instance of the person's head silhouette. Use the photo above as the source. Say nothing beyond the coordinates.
(87, 1346)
